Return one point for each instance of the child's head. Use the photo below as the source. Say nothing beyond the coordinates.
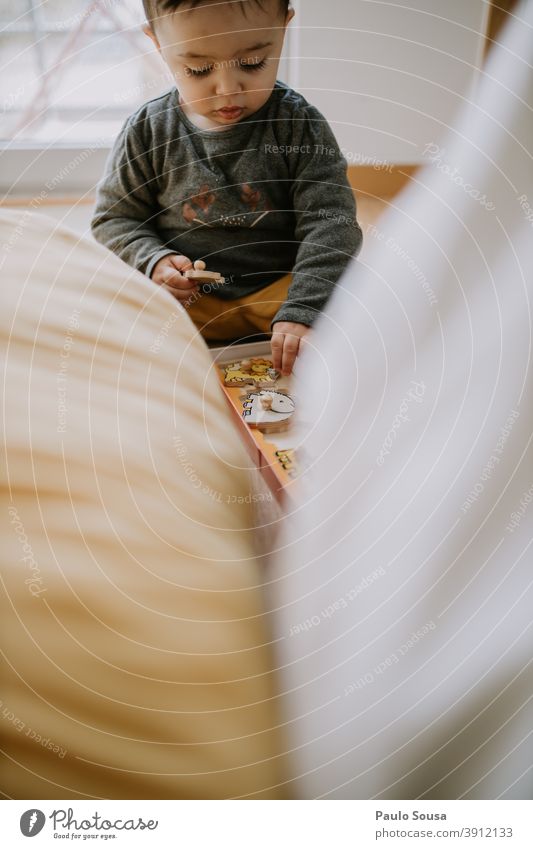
(223, 54)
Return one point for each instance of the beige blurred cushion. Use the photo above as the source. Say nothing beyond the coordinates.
(136, 661)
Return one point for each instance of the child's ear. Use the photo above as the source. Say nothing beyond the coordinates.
(147, 29)
(290, 15)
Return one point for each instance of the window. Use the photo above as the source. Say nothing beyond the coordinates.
(72, 70)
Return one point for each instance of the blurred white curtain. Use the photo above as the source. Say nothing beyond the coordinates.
(403, 583)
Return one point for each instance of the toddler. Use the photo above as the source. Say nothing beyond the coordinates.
(234, 168)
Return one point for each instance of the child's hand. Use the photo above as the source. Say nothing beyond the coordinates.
(166, 273)
(286, 342)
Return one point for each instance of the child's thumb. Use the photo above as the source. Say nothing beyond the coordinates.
(182, 263)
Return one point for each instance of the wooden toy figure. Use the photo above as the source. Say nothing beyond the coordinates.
(268, 411)
(200, 275)
(254, 370)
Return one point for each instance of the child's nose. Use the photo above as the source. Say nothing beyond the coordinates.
(227, 82)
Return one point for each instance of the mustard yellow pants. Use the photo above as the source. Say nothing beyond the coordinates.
(219, 320)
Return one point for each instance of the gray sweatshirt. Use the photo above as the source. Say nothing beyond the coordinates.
(262, 198)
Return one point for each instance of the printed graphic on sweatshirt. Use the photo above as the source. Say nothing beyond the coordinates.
(230, 208)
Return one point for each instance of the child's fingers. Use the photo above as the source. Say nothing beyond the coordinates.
(290, 351)
(276, 343)
(178, 286)
(172, 277)
(182, 263)
(284, 351)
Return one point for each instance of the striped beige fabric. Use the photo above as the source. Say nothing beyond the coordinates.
(136, 661)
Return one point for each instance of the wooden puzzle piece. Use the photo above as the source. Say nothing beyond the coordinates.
(287, 459)
(256, 370)
(268, 411)
(200, 275)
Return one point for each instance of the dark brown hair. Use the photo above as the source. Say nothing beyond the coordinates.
(154, 8)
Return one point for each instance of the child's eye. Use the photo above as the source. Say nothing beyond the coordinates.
(198, 72)
(257, 67)
(243, 66)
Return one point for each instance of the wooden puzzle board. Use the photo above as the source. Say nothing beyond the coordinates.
(272, 453)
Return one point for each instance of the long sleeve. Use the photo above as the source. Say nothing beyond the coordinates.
(125, 215)
(325, 213)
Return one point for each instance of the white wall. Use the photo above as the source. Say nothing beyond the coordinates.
(389, 76)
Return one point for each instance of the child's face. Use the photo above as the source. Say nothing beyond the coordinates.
(224, 62)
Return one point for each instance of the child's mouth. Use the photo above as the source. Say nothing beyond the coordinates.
(230, 112)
